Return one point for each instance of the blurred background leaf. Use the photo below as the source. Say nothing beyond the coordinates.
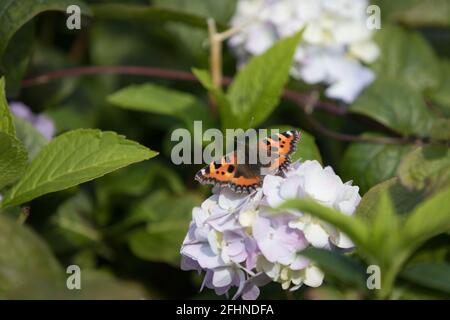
(431, 275)
(125, 229)
(368, 164)
(424, 165)
(167, 224)
(395, 105)
(416, 12)
(404, 55)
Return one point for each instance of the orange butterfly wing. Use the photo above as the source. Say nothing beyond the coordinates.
(244, 177)
(228, 173)
(280, 147)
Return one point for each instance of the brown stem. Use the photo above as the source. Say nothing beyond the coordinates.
(291, 95)
(216, 54)
(122, 70)
(300, 99)
(350, 138)
(303, 99)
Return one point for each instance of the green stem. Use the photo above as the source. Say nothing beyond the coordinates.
(24, 214)
(389, 275)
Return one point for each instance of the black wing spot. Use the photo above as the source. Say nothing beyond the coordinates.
(217, 165)
(231, 168)
(285, 134)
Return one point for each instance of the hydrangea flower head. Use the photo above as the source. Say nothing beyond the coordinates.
(239, 242)
(335, 46)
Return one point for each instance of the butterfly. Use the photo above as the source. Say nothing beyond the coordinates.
(246, 177)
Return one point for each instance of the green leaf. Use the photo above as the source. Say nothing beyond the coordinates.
(408, 291)
(384, 232)
(431, 275)
(160, 100)
(191, 40)
(70, 117)
(221, 11)
(53, 93)
(152, 98)
(441, 96)
(95, 285)
(338, 265)
(24, 258)
(6, 122)
(353, 227)
(256, 90)
(434, 250)
(17, 56)
(306, 148)
(440, 131)
(72, 225)
(73, 158)
(423, 165)
(167, 223)
(224, 104)
(395, 105)
(32, 139)
(148, 14)
(404, 55)
(429, 219)
(404, 200)
(14, 14)
(13, 159)
(368, 164)
(98, 285)
(416, 12)
(135, 180)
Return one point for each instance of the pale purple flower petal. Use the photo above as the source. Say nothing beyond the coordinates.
(41, 122)
(222, 277)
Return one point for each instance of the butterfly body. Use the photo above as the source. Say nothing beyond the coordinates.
(246, 177)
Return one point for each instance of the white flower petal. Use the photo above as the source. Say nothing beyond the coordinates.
(289, 187)
(222, 277)
(247, 218)
(316, 235)
(229, 200)
(260, 38)
(213, 241)
(299, 263)
(313, 277)
(271, 188)
(367, 51)
(334, 28)
(343, 241)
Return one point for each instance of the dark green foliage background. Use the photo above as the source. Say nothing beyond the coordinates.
(125, 229)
